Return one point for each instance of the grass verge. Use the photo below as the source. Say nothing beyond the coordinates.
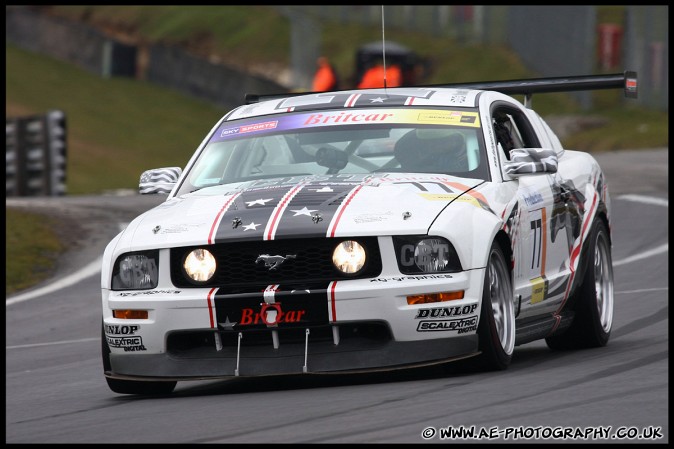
(32, 249)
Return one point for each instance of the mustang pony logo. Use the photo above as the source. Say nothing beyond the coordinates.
(273, 262)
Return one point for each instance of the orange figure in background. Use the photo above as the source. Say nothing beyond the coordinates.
(325, 78)
(374, 77)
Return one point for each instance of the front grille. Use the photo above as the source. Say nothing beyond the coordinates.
(237, 266)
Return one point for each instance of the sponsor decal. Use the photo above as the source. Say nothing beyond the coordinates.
(539, 287)
(121, 329)
(248, 128)
(149, 292)
(413, 278)
(373, 218)
(178, 228)
(450, 197)
(341, 117)
(345, 117)
(443, 312)
(449, 118)
(129, 344)
(462, 325)
(532, 198)
(271, 315)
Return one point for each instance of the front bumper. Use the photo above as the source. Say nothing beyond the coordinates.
(368, 326)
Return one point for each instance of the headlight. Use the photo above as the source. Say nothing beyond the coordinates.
(136, 271)
(199, 265)
(425, 254)
(349, 257)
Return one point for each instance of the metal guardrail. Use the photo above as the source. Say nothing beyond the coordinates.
(36, 155)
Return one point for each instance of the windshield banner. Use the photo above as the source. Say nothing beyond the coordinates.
(263, 125)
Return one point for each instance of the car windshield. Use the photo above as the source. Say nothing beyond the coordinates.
(361, 141)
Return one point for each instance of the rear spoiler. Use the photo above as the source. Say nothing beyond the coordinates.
(527, 87)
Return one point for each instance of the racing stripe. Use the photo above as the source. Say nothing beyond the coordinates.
(218, 217)
(272, 224)
(351, 101)
(409, 101)
(293, 210)
(268, 294)
(251, 212)
(340, 210)
(311, 210)
(211, 306)
(331, 300)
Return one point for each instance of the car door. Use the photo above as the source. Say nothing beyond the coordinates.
(540, 259)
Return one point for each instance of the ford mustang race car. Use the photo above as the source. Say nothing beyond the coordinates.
(363, 230)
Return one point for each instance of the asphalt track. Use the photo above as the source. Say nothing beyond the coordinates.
(56, 393)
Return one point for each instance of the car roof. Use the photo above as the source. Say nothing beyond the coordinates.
(362, 98)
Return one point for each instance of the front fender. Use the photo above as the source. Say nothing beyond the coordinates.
(470, 229)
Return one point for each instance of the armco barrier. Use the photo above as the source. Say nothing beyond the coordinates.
(36, 155)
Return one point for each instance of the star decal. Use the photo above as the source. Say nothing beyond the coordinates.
(303, 211)
(252, 226)
(377, 100)
(227, 324)
(260, 202)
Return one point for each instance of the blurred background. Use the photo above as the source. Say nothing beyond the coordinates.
(120, 89)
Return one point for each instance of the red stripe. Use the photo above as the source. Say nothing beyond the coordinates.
(341, 210)
(279, 210)
(351, 100)
(210, 307)
(576, 250)
(409, 101)
(217, 218)
(574, 255)
(333, 284)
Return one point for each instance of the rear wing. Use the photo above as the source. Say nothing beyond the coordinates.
(527, 87)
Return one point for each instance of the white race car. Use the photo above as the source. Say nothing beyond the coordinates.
(363, 230)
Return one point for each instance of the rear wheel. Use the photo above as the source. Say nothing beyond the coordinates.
(132, 386)
(496, 330)
(593, 304)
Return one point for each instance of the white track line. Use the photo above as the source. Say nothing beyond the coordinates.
(90, 270)
(651, 252)
(645, 199)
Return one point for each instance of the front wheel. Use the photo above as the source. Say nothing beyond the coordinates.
(593, 304)
(496, 331)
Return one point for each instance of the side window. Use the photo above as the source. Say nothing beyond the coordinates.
(513, 130)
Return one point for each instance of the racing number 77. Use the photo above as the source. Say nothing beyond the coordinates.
(536, 227)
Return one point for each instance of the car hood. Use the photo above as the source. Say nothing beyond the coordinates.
(314, 206)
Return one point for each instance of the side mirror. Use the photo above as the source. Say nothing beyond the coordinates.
(529, 161)
(159, 180)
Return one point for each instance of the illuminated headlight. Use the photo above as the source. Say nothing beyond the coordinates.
(349, 257)
(424, 254)
(136, 271)
(199, 265)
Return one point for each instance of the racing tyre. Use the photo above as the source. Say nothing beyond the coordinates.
(496, 330)
(132, 386)
(593, 305)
